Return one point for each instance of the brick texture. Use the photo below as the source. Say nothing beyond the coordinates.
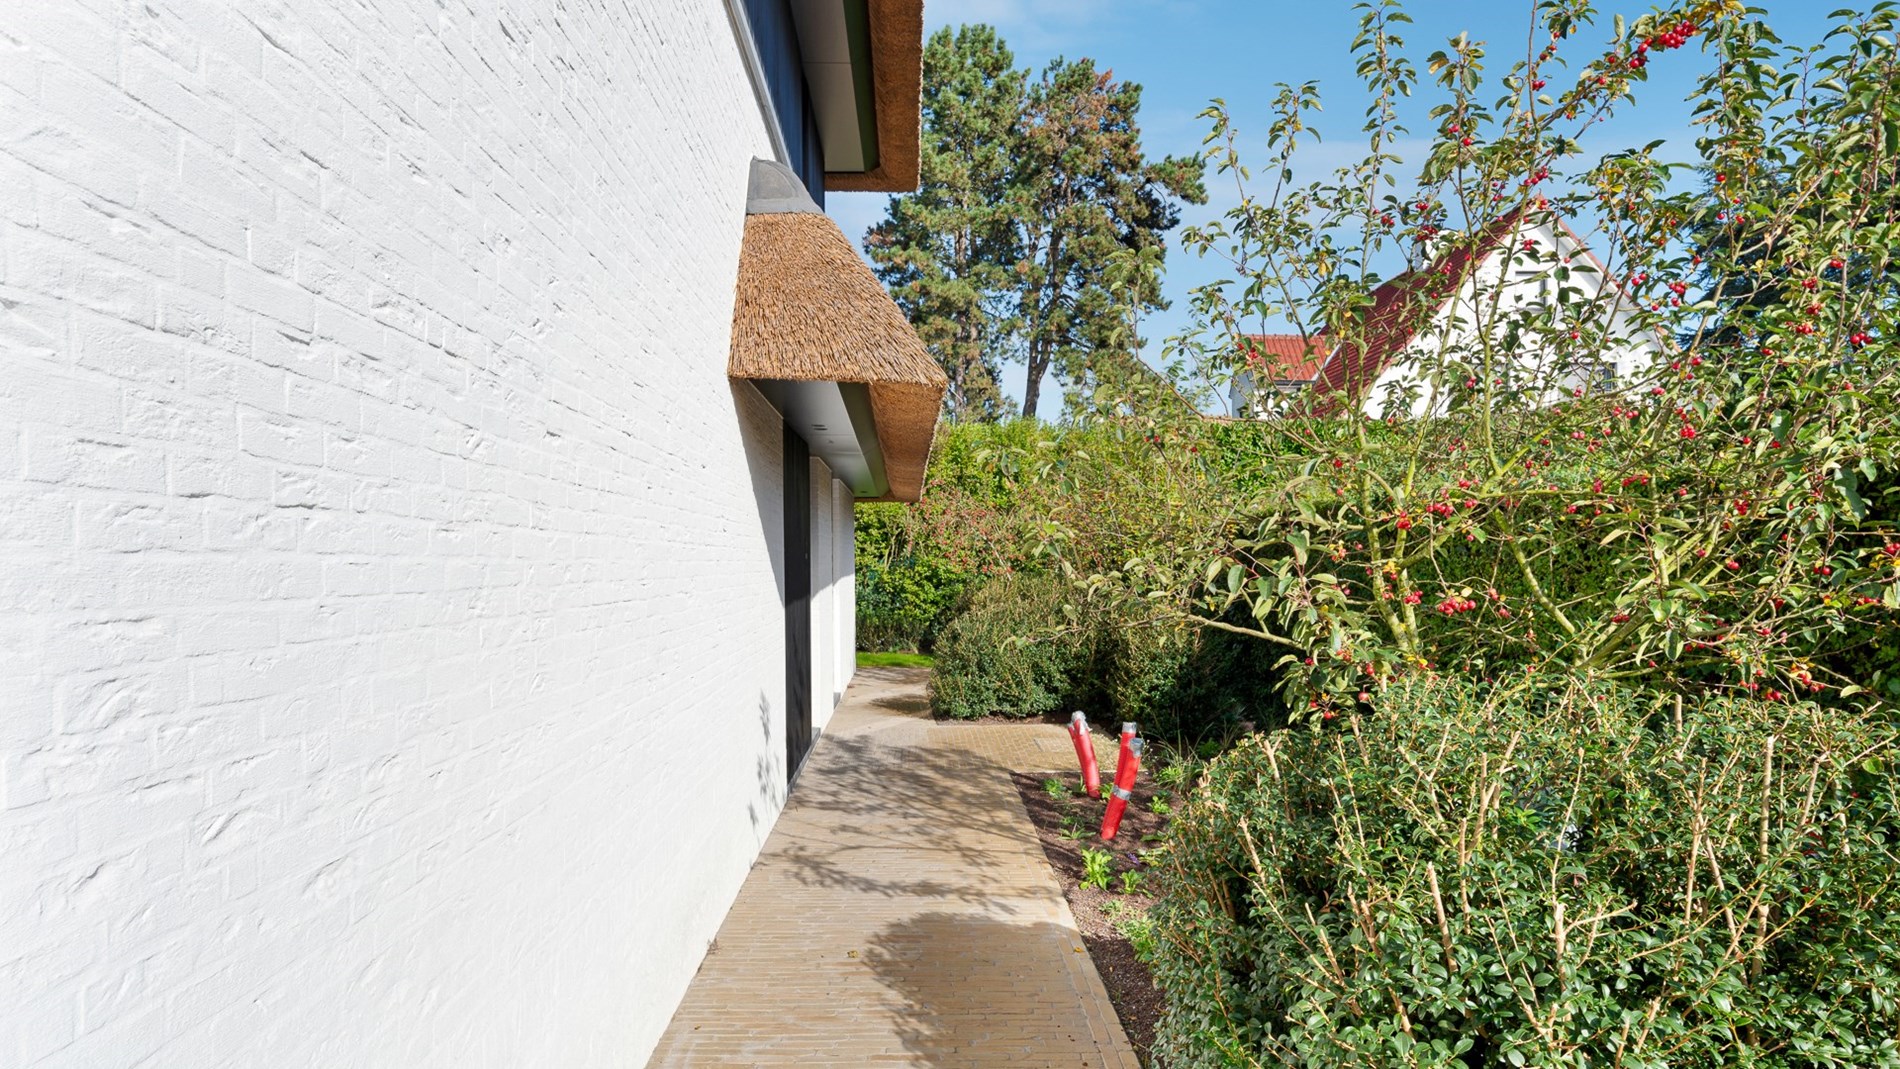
(390, 644)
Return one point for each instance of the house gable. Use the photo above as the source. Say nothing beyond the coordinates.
(1511, 268)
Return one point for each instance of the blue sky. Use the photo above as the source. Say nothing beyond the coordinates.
(1184, 52)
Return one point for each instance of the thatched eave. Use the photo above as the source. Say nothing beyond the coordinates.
(896, 47)
(809, 312)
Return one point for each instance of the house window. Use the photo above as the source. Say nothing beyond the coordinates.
(776, 37)
(1523, 284)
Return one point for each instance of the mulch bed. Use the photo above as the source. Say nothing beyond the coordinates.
(1137, 1001)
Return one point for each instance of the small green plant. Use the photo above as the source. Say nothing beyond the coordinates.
(1131, 881)
(1139, 929)
(1055, 788)
(1176, 772)
(1072, 828)
(1159, 807)
(1096, 868)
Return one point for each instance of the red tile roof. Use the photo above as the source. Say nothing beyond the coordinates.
(1400, 308)
(1286, 357)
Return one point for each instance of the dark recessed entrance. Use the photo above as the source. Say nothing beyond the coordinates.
(797, 602)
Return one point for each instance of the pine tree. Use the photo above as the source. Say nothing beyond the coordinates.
(946, 252)
(1086, 192)
(1028, 193)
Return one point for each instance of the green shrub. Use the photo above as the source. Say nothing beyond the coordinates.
(1011, 652)
(1189, 683)
(904, 605)
(1461, 877)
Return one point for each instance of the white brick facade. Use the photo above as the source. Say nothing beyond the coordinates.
(391, 654)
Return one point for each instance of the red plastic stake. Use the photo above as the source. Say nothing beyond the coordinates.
(1085, 753)
(1121, 753)
(1126, 769)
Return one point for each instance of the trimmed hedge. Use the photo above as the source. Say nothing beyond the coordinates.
(905, 605)
(1464, 877)
(1008, 653)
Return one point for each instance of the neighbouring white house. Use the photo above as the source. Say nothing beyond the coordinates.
(429, 434)
(1475, 296)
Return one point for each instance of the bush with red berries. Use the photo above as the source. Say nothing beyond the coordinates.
(1710, 517)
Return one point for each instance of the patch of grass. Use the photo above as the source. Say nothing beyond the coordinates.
(1056, 788)
(895, 660)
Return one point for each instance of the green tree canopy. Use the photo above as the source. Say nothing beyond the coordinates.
(1085, 193)
(1028, 192)
(946, 251)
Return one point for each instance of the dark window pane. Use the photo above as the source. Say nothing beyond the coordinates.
(776, 38)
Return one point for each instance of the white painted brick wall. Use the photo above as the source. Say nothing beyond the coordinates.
(845, 571)
(390, 651)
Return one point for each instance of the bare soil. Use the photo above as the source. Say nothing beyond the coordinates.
(1071, 822)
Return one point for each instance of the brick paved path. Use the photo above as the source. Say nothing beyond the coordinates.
(902, 913)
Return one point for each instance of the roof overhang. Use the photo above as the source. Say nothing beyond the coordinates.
(814, 330)
(863, 62)
(836, 419)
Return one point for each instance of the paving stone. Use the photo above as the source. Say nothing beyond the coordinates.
(902, 913)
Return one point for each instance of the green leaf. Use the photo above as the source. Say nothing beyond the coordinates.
(1847, 480)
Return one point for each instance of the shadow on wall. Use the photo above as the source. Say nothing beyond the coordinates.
(960, 998)
(848, 790)
(765, 805)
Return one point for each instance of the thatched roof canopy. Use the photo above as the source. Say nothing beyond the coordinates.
(896, 32)
(808, 310)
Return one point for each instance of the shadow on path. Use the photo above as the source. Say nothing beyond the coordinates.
(878, 810)
(959, 987)
(901, 912)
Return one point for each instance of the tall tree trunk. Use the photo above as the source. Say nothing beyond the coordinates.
(969, 361)
(1038, 366)
(1041, 346)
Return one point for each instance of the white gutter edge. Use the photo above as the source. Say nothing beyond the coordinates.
(755, 69)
